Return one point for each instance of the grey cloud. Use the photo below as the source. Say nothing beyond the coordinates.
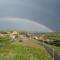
(46, 12)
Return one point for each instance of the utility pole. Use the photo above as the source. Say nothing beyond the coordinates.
(53, 53)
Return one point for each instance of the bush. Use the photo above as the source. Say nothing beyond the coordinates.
(55, 42)
(20, 40)
(46, 42)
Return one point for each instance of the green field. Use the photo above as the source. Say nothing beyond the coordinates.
(19, 51)
(28, 50)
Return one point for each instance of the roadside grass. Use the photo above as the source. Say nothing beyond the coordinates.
(57, 49)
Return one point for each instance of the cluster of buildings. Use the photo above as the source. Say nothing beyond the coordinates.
(28, 36)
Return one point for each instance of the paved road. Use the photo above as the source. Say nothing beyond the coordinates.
(51, 51)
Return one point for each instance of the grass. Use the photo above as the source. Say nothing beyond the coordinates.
(57, 49)
(20, 52)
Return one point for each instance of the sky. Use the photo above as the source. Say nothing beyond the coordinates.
(46, 12)
(20, 24)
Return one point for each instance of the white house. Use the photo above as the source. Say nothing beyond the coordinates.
(1, 35)
(12, 35)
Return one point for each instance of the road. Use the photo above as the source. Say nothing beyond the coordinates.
(51, 51)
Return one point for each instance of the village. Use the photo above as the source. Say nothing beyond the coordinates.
(23, 36)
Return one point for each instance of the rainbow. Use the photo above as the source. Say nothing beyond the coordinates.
(27, 24)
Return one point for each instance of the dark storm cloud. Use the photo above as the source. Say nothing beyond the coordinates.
(46, 12)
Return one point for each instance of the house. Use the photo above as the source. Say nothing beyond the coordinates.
(1, 35)
(12, 36)
(42, 37)
(14, 33)
(22, 37)
(35, 37)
